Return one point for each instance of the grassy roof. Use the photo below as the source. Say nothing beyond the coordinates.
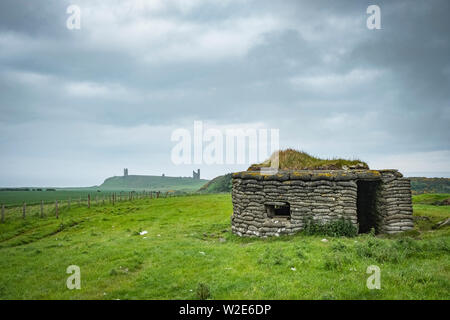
(291, 159)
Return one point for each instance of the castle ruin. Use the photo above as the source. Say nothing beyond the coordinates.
(196, 175)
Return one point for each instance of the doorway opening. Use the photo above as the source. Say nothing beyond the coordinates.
(366, 205)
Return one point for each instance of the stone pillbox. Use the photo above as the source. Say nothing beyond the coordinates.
(279, 204)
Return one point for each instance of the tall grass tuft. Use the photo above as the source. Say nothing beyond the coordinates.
(291, 159)
(336, 228)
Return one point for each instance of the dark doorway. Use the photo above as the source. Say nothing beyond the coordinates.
(278, 210)
(366, 205)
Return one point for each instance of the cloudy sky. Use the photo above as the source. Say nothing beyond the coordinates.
(77, 106)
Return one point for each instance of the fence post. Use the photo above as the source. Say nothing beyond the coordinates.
(89, 201)
(79, 202)
(42, 208)
(113, 198)
(24, 210)
(3, 213)
(56, 209)
(68, 203)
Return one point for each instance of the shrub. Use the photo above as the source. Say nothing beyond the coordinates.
(388, 251)
(338, 246)
(272, 258)
(337, 228)
(203, 291)
(300, 254)
(336, 261)
(113, 272)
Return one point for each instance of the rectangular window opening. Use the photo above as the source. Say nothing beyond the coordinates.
(278, 210)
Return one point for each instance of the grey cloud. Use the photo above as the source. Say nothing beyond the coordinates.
(312, 69)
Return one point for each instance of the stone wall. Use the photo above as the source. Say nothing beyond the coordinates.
(321, 195)
(394, 204)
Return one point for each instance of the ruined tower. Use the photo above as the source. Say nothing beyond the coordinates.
(125, 172)
(196, 175)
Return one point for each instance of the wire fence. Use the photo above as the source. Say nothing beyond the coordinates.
(45, 209)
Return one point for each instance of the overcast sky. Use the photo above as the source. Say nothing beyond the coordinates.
(77, 106)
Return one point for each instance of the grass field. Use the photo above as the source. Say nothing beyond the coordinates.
(13, 198)
(430, 198)
(189, 243)
(17, 198)
(124, 185)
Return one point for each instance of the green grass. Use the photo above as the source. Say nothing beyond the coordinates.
(12, 198)
(436, 198)
(291, 159)
(111, 185)
(189, 250)
(218, 184)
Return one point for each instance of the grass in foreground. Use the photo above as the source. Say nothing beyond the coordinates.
(189, 243)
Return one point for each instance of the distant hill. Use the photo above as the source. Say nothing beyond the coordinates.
(429, 185)
(154, 183)
(418, 185)
(217, 185)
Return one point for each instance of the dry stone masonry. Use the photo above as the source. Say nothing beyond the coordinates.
(279, 204)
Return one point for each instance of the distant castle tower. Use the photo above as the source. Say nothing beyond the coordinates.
(196, 175)
(125, 172)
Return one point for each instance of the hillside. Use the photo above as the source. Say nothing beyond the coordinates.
(188, 243)
(154, 183)
(430, 185)
(218, 184)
